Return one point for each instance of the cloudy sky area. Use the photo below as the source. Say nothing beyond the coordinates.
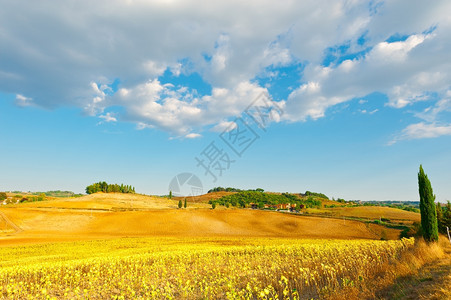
(134, 91)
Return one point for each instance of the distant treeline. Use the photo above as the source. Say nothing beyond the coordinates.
(231, 189)
(244, 198)
(102, 186)
(413, 206)
(391, 202)
(58, 193)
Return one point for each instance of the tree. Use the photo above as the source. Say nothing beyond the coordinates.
(3, 196)
(180, 203)
(213, 205)
(427, 208)
(41, 197)
(103, 186)
(184, 204)
(170, 194)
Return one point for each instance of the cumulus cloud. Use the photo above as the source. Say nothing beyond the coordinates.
(61, 54)
(179, 110)
(402, 70)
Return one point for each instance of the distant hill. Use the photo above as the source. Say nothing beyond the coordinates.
(391, 202)
(58, 194)
(383, 213)
(206, 198)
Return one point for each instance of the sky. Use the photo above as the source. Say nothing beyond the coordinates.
(346, 98)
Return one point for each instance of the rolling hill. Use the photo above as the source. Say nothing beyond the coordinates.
(124, 215)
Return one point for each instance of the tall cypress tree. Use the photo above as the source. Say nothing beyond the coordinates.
(427, 208)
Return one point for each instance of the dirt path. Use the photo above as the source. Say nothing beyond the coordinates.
(7, 221)
(433, 281)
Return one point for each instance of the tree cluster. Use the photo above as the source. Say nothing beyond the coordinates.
(244, 198)
(231, 189)
(102, 186)
(443, 217)
(319, 195)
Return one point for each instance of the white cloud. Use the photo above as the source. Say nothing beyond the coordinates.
(309, 101)
(154, 69)
(193, 135)
(23, 101)
(432, 113)
(108, 117)
(404, 71)
(224, 126)
(178, 111)
(364, 111)
(97, 104)
(395, 52)
(423, 130)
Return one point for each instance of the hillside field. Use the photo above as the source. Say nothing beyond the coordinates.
(123, 215)
(369, 213)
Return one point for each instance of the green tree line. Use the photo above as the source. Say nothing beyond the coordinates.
(244, 198)
(102, 186)
(232, 189)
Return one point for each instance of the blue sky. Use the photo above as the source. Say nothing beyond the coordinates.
(134, 91)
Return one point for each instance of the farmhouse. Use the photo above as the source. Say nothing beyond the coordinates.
(289, 206)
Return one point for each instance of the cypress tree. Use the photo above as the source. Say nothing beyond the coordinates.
(427, 208)
(184, 204)
(180, 203)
